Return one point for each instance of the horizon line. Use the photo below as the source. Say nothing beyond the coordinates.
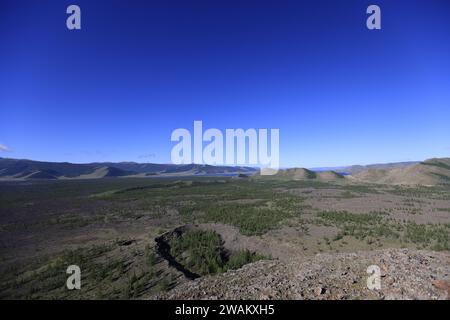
(226, 165)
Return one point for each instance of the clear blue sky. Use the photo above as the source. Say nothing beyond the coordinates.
(114, 91)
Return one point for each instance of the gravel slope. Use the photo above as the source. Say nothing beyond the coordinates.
(405, 274)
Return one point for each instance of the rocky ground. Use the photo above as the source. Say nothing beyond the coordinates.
(321, 237)
(405, 274)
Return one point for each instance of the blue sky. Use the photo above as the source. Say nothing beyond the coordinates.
(114, 91)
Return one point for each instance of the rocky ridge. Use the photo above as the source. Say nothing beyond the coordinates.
(405, 274)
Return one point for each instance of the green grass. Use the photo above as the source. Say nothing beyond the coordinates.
(437, 237)
(56, 209)
(103, 275)
(202, 252)
(420, 192)
(361, 226)
(201, 249)
(250, 219)
(378, 225)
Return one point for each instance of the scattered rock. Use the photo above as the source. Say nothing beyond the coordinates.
(442, 285)
(320, 290)
(407, 274)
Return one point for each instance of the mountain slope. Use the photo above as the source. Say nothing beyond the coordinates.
(430, 172)
(296, 174)
(329, 176)
(14, 169)
(45, 174)
(406, 274)
(20, 168)
(106, 172)
(305, 174)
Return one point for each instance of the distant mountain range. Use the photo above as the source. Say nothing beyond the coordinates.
(306, 174)
(18, 169)
(430, 172)
(359, 168)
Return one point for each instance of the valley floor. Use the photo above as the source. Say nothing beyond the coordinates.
(312, 240)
